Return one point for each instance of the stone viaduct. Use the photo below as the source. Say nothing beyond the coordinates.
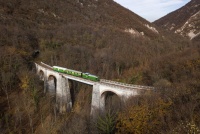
(100, 89)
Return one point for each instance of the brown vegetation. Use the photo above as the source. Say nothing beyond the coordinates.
(91, 38)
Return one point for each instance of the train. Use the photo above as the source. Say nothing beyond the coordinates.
(76, 73)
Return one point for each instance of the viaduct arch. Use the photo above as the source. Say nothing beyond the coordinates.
(41, 75)
(111, 100)
(52, 83)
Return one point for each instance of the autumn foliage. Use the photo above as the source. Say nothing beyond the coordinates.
(93, 38)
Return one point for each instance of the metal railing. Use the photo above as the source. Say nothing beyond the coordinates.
(125, 85)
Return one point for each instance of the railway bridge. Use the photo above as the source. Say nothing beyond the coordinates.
(99, 92)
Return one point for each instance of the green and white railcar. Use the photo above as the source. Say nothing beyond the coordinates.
(67, 71)
(59, 69)
(73, 72)
(76, 73)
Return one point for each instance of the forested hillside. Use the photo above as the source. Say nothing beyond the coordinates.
(184, 21)
(102, 38)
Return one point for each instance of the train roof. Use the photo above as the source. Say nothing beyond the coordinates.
(66, 69)
(73, 70)
(59, 67)
(91, 75)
